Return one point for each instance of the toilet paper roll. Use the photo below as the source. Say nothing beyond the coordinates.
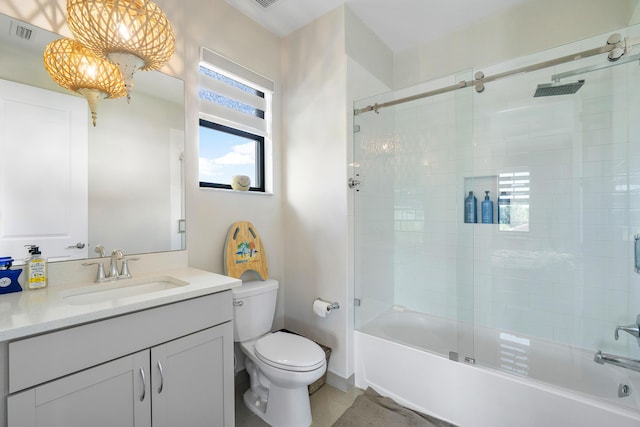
(321, 308)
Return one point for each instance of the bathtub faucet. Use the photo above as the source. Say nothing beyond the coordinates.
(633, 329)
(623, 362)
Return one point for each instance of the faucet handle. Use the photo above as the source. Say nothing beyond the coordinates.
(99, 250)
(115, 256)
(117, 253)
(125, 273)
(101, 275)
(633, 329)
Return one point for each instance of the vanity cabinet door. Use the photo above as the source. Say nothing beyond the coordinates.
(108, 395)
(192, 382)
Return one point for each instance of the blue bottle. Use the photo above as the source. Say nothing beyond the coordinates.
(504, 214)
(471, 209)
(8, 277)
(487, 209)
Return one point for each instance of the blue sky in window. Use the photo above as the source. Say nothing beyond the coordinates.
(223, 155)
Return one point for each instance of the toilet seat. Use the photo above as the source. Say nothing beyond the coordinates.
(289, 352)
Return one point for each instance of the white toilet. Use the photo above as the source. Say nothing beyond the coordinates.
(280, 365)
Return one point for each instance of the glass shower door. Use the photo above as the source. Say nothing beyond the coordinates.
(552, 285)
(413, 252)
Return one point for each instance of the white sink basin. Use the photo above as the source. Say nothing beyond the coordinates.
(114, 291)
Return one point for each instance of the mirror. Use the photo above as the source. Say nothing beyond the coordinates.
(134, 169)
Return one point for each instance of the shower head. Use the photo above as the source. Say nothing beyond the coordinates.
(266, 3)
(558, 88)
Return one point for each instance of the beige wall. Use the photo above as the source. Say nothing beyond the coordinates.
(315, 114)
(524, 29)
(219, 27)
(326, 66)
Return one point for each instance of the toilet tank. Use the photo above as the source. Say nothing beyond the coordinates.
(254, 305)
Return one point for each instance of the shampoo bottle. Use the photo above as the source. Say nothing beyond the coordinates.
(36, 269)
(471, 209)
(487, 209)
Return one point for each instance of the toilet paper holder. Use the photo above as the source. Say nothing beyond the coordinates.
(332, 305)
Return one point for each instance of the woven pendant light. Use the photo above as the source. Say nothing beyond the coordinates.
(133, 34)
(78, 69)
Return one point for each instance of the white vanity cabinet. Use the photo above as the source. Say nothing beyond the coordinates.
(189, 391)
(167, 366)
(111, 394)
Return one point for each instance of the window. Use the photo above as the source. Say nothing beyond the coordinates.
(225, 151)
(235, 123)
(513, 201)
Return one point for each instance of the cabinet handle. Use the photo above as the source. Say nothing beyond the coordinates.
(161, 377)
(144, 385)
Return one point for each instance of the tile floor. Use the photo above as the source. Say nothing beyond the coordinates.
(327, 404)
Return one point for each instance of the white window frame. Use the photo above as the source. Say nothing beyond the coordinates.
(220, 115)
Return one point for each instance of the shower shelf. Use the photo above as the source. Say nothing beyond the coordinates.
(480, 184)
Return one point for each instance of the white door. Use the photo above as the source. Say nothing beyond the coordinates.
(116, 393)
(43, 172)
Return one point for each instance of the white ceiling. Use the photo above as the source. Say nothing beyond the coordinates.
(401, 24)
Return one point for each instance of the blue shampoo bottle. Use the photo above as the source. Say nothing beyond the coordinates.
(487, 209)
(471, 209)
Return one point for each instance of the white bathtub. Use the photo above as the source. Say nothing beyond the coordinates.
(569, 388)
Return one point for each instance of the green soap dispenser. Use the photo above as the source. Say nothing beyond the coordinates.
(36, 269)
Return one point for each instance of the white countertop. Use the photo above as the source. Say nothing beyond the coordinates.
(43, 310)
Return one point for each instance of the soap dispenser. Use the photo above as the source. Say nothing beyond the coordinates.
(487, 209)
(36, 269)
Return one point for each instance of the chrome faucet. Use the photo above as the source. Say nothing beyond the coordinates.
(125, 273)
(101, 276)
(621, 361)
(114, 274)
(633, 329)
(113, 270)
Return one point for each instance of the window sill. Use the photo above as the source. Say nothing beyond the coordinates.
(226, 190)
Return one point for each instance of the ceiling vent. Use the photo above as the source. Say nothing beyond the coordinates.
(266, 3)
(20, 31)
(23, 32)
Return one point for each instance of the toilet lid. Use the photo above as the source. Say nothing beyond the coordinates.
(290, 352)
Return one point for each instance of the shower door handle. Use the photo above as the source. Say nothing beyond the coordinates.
(636, 252)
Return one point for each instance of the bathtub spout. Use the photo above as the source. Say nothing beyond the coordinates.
(623, 362)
